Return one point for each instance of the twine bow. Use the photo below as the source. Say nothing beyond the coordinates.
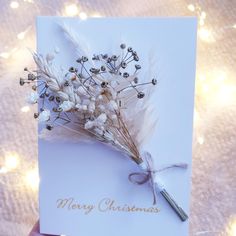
(149, 173)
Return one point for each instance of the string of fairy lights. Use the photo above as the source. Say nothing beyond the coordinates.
(216, 84)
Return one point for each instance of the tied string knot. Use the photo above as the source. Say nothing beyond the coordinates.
(149, 174)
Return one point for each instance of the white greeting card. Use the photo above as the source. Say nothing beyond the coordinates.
(84, 186)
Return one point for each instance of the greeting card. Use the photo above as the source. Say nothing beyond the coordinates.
(115, 109)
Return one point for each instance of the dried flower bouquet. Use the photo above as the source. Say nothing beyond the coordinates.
(101, 99)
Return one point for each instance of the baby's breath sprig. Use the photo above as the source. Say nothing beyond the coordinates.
(94, 98)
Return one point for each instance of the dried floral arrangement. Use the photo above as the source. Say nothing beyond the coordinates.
(95, 99)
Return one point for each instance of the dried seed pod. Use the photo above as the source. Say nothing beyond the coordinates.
(95, 57)
(130, 49)
(136, 80)
(125, 74)
(51, 98)
(123, 64)
(136, 58)
(103, 68)
(72, 69)
(79, 60)
(137, 67)
(36, 115)
(104, 56)
(94, 70)
(84, 59)
(141, 95)
(31, 77)
(122, 46)
(104, 84)
(58, 99)
(114, 58)
(154, 81)
(66, 83)
(22, 81)
(49, 127)
(34, 87)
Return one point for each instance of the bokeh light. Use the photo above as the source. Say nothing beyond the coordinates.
(72, 9)
(5, 55)
(32, 179)
(191, 7)
(83, 16)
(25, 109)
(11, 161)
(206, 35)
(14, 4)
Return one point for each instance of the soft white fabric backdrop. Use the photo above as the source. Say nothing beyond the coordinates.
(213, 203)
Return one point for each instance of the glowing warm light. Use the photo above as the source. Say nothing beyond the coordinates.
(205, 88)
(232, 228)
(5, 55)
(21, 35)
(205, 35)
(202, 77)
(11, 161)
(72, 10)
(14, 4)
(217, 88)
(203, 15)
(32, 179)
(196, 118)
(191, 7)
(201, 22)
(3, 170)
(226, 94)
(83, 16)
(220, 77)
(96, 15)
(200, 140)
(234, 26)
(25, 109)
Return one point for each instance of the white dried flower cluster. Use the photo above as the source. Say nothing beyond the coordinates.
(96, 98)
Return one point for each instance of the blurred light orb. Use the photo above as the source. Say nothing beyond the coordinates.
(25, 109)
(232, 228)
(191, 7)
(200, 140)
(32, 179)
(71, 10)
(14, 4)
(201, 22)
(3, 170)
(226, 94)
(21, 35)
(96, 15)
(83, 16)
(205, 35)
(203, 15)
(11, 161)
(5, 55)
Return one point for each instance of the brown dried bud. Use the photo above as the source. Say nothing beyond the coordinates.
(141, 95)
